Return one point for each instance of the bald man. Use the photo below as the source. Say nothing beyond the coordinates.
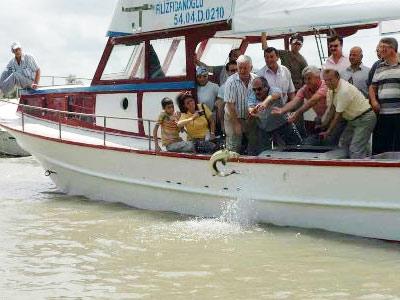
(357, 73)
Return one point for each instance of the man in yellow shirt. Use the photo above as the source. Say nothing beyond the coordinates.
(350, 104)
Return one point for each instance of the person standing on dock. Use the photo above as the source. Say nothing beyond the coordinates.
(22, 71)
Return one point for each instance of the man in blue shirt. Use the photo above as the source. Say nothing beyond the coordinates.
(264, 126)
(22, 71)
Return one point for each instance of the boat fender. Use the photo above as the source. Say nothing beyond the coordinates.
(49, 172)
(222, 156)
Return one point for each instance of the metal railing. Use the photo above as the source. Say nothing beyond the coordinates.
(26, 110)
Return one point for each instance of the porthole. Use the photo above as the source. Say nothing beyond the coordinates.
(125, 103)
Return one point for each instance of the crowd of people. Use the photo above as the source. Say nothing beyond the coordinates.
(256, 111)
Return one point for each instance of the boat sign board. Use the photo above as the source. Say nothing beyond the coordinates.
(134, 16)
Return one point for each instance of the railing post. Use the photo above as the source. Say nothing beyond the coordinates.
(148, 126)
(23, 119)
(59, 124)
(104, 130)
(52, 80)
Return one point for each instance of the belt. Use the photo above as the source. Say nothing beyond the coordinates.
(359, 116)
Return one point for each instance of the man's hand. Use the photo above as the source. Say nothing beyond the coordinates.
(237, 127)
(277, 111)
(34, 86)
(323, 135)
(376, 107)
(253, 111)
(293, 117)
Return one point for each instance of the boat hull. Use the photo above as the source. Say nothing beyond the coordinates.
(351, 199)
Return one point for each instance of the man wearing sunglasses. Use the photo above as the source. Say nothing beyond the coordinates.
(263, 127)
(336, 61)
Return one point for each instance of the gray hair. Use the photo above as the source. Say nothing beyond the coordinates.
(310, 69)
(392, 42)
(244, 59)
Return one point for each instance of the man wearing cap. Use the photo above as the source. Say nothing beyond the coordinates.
(207, 91)
(292, 59)
(21, 71)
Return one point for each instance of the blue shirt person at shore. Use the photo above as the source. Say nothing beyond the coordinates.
(22, 71)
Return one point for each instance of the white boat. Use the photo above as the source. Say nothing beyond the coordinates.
(96, 141)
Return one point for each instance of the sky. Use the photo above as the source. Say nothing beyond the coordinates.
(65, 36)
(68, 36)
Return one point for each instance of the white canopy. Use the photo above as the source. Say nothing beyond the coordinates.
(285, 16)
(249, 16)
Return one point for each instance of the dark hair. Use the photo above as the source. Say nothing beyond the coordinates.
(270, 50)
(335, 37)
(390, 41)
(180, 100)
(232, 51)
(231, 62)
(264, 82)
(296, 36)
(166, 101)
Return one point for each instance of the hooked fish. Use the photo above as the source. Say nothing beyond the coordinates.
(222, 156)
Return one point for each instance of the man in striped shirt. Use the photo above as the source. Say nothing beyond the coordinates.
(384, 93)
(237, 90)
(22, 71)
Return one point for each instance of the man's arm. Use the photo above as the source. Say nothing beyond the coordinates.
(36, 80)
(332, 125)
(372, 91)
(264, 43)
(155, 137)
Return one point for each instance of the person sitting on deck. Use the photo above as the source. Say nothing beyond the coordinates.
(22, 71)
(349, 103)
(168, 120)
(198, 122)
(262, 125)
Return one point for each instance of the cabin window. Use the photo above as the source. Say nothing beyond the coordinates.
(167, 57)
(216, 50)
(126, 61)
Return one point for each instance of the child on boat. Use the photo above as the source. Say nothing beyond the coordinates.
(170, 138)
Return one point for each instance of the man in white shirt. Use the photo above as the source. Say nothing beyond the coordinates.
(278, 76)
(238, 88)
(336, 61)
(22, 71)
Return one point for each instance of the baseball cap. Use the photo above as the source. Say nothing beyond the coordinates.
(200, 70)
(15, 46)
(296, 38)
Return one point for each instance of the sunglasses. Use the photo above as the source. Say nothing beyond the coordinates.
(259, 89)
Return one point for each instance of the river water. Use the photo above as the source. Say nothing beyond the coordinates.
(54, 246)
